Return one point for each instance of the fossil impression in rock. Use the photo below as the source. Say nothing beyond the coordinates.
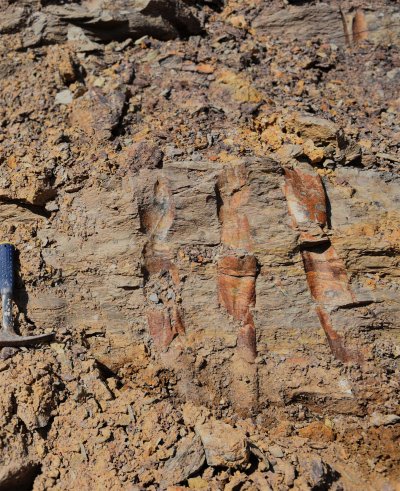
(165, 319)
(237, 268)
(325, 271)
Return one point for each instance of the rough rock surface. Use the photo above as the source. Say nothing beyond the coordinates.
(224, 445)
(205, 204)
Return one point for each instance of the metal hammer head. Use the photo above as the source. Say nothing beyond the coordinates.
(8, 336)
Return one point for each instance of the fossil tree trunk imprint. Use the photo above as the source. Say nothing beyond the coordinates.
(325, 271)
(236, 281)
(237, 269)
(165, 322)
(359, 27)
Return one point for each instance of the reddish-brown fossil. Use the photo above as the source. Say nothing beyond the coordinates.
(234, 193)
(246, 340)
(164, 323)
(359, 27)
(335, 341)
(236, 284)
(326, 273)
(306, 200)
(237, 271)
(327, 277)
(160, 327)
(237, 293)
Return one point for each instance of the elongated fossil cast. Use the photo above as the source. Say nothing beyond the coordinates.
(325, 271)
(237, 267)
(165, 320)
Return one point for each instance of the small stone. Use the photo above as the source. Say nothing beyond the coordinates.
(143, 41)
(315, 154)
(316, 471)
(64, 97)
(7, 352)
(83, 44)
(166, 93)
(378, 419)
(170, 295)
(197, 483)
(289, 151)
(154, 298)
(239, 21)
(188, 460)
(99, 82)
(123, 45)
(172, 151)
(276, 451)
(52, 206)
(224, 445)
(318, 432)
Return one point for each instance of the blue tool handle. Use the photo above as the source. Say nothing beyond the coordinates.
(6, 267)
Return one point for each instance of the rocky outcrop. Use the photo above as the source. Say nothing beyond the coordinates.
(324, 20)
(210, 226)
(88, 23)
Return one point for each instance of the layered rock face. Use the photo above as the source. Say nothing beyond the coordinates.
(210, 223)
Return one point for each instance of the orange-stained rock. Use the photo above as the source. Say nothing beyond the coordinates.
(327, 277)
(160, 327)
(237, 87)
(318, 432)
(359, 27)
(315, 154)
(308, 202)
(335, 341)
(236, 284)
